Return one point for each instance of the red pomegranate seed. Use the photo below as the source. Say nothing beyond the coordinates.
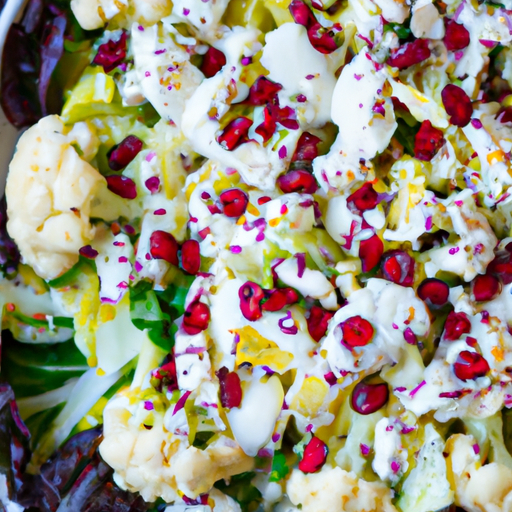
(398, 267)
(409, 54)
(111, 53)
(433, 291)
(268, 127)
(301, 13)
(251, 295)
(457, 105)
(322, 39)
(368, 398)
(370, 252)
(163, 246)
(88, 252)
(456, 35)
(306, 149)
(428, 141)
(504, 115)
(230, 388)
(485, 287)
(263, 92)
(318, 322)
(297, 180)
(122, 154)
(364, 198)
(234, 201)
(314, 457)
(235, 133)
(357, 332)
(291, 295)
(196, 318)
(190, 256)
(122, 186)
(286, 116)
(470, 366)
(277, 300)
(456, 325)
(213, 61)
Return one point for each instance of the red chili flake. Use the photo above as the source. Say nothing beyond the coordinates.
(163, 246)
(470, 366)
(122, 186)
(213, 61)
(456, 325)
(368, 398)
(364, 198)
(357, 332)
(234, 202)
(318, 322)
(297, 180)
(88, 252)
(251, 295)
(485, 287)
(124, 152)
(111, 53)
(314, 457)
(428, 141)
(456, 35)
(190, 256)
(409, 54)
(306, 149)
(301, 13)
(457, 105)
(196, 318)
(263, 92)
(398, 267)
(235, 133)
(230, 388)
(434, 292)
(277, 300)
(370, 252)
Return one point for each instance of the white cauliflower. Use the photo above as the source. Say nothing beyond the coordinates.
(336, 490)
(94, 14)
(49, 191)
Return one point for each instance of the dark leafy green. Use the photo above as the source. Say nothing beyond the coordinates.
(241, 489)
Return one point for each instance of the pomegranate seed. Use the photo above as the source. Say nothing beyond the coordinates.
(87, 252)
(456, 325)
(122, 186)
(485, 287)
(196, 318)
(166, 374)
(277, 300)
(370, 252)
(235, 133)
(297, 180)
(301, 13)
(434, 292)
(456, 35)
(286, 116)
(163, 246)
(318, 322)
(190, 256)
(268, 127)
(501, 265)
(364, 198)
(291, 295)
(504, 115)
(357, 332)
(122, 154)
(470, 365)
(111, 53)
(213, 61)
(322, 39)
(368, 398)
(251, 295)
(398, 267)
(234, 201)
(306, 149)
(314, 457)
(428, 141)
(457, 105)
(409, 54)
(230, 388)
(263, 92)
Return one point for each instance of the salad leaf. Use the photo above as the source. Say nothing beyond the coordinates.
(279, 467)
(241, 489)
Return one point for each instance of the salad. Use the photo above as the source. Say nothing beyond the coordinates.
(257, 255)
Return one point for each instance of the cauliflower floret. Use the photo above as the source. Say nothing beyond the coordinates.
(49, 191)
(333, 490)
(94, 14)
(477, 488)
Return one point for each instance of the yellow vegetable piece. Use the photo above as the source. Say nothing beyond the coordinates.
(310, 397)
